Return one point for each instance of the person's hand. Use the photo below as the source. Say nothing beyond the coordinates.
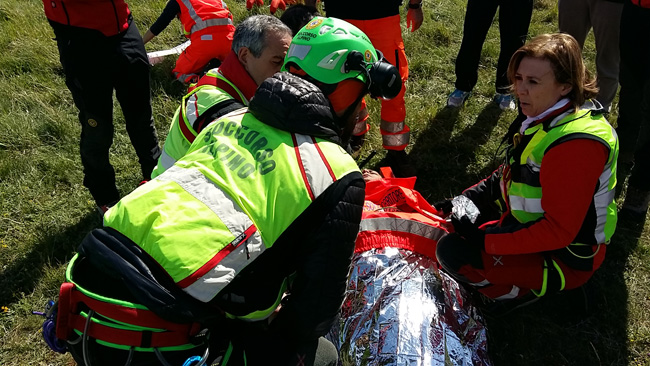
(444, 207)
(414, 19)
(465, 228)
(250, 3)
(275, 4)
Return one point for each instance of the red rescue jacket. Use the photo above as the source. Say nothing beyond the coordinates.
(107, 16)
(642, 3)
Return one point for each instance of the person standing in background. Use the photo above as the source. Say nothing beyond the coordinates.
(634, 105)
(514, 19)
(101, 49)
(381, 22)
(577, 17)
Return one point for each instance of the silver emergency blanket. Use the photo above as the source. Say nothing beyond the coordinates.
(463, 206)
(400, 310)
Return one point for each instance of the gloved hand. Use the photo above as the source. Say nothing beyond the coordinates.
(250, 3)
(444, 207)
(414, 18)
(275, 4)
(465, 228)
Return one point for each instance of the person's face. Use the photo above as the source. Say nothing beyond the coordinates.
(536, 86)
(348, 125)
(271, 59)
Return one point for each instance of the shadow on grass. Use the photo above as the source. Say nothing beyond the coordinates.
(22, 276)
(163, 81)
(441, 159)
(586, 326)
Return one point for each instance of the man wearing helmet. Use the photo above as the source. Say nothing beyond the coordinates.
(251, 233)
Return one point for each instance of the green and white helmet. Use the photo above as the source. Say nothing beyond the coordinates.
(331, 50)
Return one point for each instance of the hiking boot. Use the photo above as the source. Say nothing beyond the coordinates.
(505, 101)
(636, 203)
(457, 98)
(400, 163)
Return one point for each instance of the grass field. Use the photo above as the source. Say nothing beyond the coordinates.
(45, 211)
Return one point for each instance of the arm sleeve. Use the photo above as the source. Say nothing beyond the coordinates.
(569, 177)
(168, 14)
(319, 286)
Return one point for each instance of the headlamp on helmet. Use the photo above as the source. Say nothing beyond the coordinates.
(382, 78)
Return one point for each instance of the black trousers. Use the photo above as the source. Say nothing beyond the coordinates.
(514, 19)
(634, 98)
(94, 66)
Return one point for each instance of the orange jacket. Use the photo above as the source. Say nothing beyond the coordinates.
(396, 215)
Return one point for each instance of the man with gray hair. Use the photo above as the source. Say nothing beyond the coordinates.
(259, 45)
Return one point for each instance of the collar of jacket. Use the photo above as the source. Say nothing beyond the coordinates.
(290, 103)
(235, 72)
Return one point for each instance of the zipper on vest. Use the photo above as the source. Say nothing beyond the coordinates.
(67, 17)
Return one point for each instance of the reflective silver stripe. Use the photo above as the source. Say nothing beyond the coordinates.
(191, 109)
(602, 199)
(532, 205)
(533, 165)
(511, 295)
(316, 170)
(396, 140)
(391, 127)
(191, 11)
(359, 126)
(402, 225)
(202, 24)
(233, 217)
(165, 160)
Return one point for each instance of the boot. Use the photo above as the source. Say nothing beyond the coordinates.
(400, 162)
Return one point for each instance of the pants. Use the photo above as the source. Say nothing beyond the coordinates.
(210, 43)
(577, 17)
(94, 65)
(386, 35)
(514, 19)
(634, 98)
(505, 277)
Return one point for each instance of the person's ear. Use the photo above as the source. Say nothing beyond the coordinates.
(566, 89)
(243, 55)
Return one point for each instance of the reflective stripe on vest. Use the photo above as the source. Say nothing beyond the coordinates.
(218, 15)
(181, 132)
(218, 271)
(241, 184)
(524, 191)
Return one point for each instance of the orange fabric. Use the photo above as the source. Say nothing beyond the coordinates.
(205, 10)
(346, 92)
(392, 205)
(191, 62)
(386, 35)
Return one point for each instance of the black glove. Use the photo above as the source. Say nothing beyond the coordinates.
(444, 206)
(465, 228)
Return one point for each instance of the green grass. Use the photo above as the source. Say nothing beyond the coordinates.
(45, 211)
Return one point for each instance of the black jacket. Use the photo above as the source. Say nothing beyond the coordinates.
(316, 249)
